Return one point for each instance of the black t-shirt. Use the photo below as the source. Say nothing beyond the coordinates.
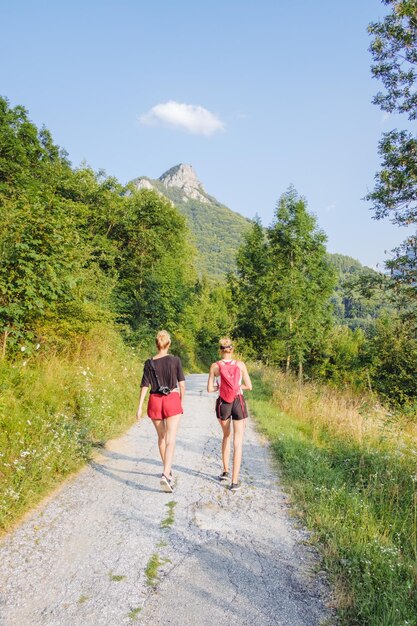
(169, 370)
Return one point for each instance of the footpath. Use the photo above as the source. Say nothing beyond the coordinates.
(110, 548)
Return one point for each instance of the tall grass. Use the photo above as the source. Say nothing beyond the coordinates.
(351, 469)
(53, 411)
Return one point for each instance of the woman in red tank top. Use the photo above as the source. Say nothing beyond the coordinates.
(230, 406)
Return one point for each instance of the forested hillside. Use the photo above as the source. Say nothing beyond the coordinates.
(352, 306)
(217, 230)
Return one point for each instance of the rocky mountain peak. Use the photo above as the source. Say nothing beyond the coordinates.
(184, 177)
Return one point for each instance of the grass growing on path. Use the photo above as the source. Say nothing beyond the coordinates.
(352, 473)
(152, 569)
(169, 519)
(53, 412)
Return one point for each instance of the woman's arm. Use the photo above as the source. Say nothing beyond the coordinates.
(181, 385)
(214, 371)
(247, 383)
(141, 400)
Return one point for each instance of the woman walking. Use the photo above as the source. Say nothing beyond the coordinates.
(164, 375)
(230, 406)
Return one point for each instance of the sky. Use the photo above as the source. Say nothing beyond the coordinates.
(256, 95)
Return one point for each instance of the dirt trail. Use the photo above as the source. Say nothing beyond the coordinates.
(110, 548)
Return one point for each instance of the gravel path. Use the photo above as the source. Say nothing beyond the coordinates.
(110, 548)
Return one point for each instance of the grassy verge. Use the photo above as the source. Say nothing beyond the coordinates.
(351, 469)
(54, 411)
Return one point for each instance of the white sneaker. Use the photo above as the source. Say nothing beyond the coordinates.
(166, 484)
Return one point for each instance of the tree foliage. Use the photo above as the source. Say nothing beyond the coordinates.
(394, 52)
(251, 293)
(283, 286)
(77, 248)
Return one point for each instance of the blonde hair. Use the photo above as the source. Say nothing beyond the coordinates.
(226, 341)
(163, 339)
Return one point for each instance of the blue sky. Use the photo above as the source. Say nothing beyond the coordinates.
(285, 88)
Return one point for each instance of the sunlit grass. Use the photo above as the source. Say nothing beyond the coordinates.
(350, 467)
(54, 411)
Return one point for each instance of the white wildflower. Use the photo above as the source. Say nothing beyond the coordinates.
(23, 348)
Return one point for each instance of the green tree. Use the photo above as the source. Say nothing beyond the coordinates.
(394, 52)
(342, 359)
(39, 244)
(300, 281)
(391, 354)
(39, 251)
(207, 317)
(251, 293)
(282, 287)
(155, 264)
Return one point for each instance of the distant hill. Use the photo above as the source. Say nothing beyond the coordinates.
(351, 308)
(217, 230)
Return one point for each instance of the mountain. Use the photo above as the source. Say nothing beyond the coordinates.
(217, 230)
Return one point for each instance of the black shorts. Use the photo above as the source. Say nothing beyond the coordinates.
(236, 410)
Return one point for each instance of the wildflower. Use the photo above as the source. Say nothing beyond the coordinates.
(84, 373)
(38, 345)
(23, 348)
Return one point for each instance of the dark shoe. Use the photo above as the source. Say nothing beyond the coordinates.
(235, 486)
(224, 476)
(166, 484)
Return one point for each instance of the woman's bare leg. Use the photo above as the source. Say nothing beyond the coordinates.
(227, 437)
(238, 432)
(171, 428)
(161, 430)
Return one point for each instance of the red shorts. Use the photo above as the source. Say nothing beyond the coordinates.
(160, 406)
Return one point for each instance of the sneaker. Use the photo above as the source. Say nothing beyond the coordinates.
(224, 476)
(235, 486)
(166, 484)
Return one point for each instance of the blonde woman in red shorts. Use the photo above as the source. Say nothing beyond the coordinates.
(164, 376)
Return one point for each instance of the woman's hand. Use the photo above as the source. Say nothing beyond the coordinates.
(143, 392)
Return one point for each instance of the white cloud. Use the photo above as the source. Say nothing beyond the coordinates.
(190, 117)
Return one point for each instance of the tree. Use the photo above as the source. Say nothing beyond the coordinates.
(394, 51)
(250, 292)
(283, 285)
(300, 280)
(156, 261)
(39, 251)
(391, 360)
(39, 244)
